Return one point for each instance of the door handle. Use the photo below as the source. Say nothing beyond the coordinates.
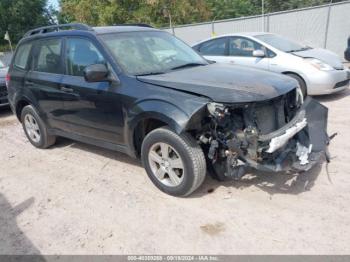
(232, 61)
(66, 89)
(28, 83)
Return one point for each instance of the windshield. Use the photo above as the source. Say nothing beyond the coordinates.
(141, 53)
(281, 43)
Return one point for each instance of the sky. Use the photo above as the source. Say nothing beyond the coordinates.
(54, 3)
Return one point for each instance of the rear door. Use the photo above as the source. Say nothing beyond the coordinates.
(215, 50)
(44, 79)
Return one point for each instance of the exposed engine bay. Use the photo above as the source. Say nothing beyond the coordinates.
(282, 134)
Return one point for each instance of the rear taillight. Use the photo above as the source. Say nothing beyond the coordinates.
(7, 80)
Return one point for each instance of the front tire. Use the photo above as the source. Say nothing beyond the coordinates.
(35, 129)
(174, 163)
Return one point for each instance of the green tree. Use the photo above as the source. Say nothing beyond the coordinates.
(280, 5)
(224, 9)
(19, 16)
(155, 12)
(158, 12)
(181, 11)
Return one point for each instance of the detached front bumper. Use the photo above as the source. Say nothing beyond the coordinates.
(297, 146)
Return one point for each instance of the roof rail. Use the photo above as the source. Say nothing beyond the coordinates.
(51, 28)
(135, 24)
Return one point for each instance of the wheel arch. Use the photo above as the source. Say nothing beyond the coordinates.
(144, 127)
(23, 102)
(153, 114)
(297, 74)
(145, 123)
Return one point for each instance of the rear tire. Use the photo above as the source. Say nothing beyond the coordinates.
(301, 82)
(35, 129)
(174, 163)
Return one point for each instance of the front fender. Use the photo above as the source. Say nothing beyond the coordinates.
(166, 112)
(177, 116)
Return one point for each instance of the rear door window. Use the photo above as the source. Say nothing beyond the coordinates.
(216, 47)
(48, 56)
(22, 55)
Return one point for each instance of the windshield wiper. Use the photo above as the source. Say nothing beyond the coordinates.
(174, 68)
(150, 73)
(187, 65)
(300, 49)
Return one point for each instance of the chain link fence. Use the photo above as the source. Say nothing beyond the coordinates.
(326, 26)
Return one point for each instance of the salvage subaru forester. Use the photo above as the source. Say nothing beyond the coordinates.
(144, 92)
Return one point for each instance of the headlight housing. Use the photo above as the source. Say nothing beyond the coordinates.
(319, 64)
(216, 109)
(299, 98)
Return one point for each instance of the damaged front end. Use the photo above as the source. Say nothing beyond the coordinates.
(282, 134)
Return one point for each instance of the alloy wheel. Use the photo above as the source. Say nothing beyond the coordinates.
(32, 128)
(166, 164)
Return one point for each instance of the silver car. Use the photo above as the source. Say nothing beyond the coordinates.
(3, 89)
(317, 70)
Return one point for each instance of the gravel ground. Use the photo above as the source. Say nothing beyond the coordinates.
(79, 199)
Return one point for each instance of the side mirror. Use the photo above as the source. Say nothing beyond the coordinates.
(96, 73)
(258, 53)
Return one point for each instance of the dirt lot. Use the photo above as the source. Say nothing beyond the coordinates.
(79, 199)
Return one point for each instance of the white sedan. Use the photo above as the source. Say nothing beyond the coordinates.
(317, 70)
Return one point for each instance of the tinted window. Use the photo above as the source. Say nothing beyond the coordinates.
(215, 47)
(48, 56)
(241, 46)
(22, 55)
(80, 54)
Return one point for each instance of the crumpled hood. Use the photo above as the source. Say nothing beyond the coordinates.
(324, 55)
(225, 83)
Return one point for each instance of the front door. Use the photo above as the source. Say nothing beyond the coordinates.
(91, 109)
(240, 52)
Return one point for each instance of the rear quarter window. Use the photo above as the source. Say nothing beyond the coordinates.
(22, 55)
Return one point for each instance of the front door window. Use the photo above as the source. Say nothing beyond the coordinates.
(80, 54)
(241, 46)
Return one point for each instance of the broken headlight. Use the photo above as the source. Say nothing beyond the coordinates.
(299, 98)
(217, 110)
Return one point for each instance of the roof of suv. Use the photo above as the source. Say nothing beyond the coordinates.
(118, 29)
(42, 31)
